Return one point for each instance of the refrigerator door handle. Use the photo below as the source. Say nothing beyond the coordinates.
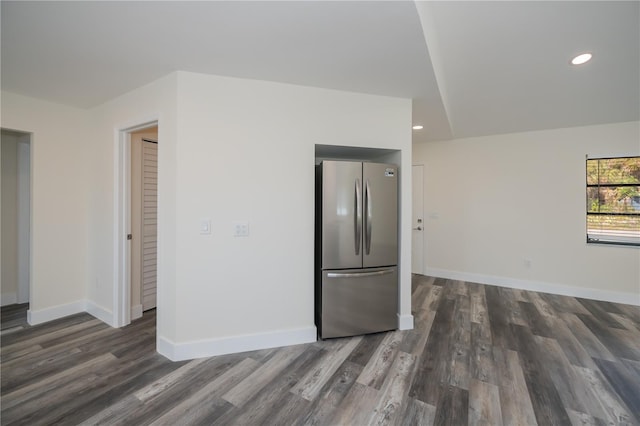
(368, 218)
(357, 219)
(358, 274)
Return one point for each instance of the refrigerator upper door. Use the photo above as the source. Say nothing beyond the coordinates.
(380, 188)
(342, 199)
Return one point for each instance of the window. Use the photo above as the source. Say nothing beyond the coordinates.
(613, 200)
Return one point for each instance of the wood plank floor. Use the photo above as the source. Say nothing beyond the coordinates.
(478, 355)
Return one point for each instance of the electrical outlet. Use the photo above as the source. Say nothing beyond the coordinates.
(240, 229)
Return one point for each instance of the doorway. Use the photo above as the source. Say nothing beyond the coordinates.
(136, 207)
(15, 217)
(144, 223)
(417, 234)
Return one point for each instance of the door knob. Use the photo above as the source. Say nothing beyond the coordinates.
(419, 228)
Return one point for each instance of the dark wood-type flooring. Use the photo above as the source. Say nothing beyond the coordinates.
(479, 355)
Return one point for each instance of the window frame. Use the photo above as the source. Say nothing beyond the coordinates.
(591, 240)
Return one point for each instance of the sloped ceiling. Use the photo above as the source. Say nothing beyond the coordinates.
(471, 68)
(504, 66)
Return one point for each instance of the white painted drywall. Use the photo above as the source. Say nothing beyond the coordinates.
(156, 101)
(232, 149)
(239, 150)
(491, 203)
(59, 191)
(245, 152)
(9, 230)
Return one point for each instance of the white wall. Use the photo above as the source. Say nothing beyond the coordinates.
(153, 102)
(231, 149)
(245, 151)
(59, 191)
(239, 150)
(492, 202)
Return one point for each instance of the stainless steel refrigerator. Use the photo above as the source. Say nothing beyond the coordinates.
(356, 248)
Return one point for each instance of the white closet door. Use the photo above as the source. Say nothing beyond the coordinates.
(149, 223)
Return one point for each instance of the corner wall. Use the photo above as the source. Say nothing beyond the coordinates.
(510, 210)
(231, 149)
(59, 202)
(246, 152)
(155, 101)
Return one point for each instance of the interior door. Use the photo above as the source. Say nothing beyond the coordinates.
(149, 223)
(417, 220)
(380, 215)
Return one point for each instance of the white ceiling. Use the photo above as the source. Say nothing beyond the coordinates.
(471, 68)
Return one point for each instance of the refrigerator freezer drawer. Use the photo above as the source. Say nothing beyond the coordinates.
(358, 301)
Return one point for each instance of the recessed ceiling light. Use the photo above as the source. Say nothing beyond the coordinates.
(581, 59)
(418, 127)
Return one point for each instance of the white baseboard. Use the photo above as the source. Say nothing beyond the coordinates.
(136, 312)
(234, 344)
(99, 312)
(60, 311)
(55, 312)
(8, 299)
(405, 322)
(539, 286)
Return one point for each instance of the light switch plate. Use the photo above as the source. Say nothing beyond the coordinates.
(205, 226)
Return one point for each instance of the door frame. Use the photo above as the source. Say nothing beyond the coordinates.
(423, 232)
(24, 158)
(122, 223)
(25, 215)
